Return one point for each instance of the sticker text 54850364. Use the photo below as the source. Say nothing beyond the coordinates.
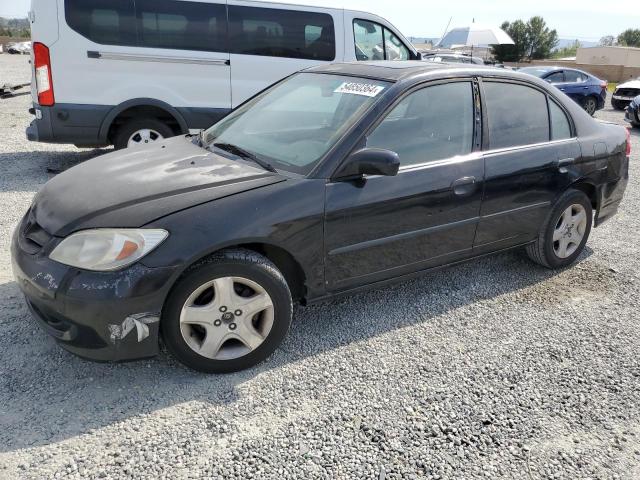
(366, 89)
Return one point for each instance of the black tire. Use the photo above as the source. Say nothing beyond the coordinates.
(237, 262)
(542, 250)
(128, 128)
(590, 105)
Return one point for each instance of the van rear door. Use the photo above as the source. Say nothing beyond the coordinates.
(268, 44)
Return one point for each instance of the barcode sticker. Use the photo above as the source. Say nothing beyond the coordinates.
(366, 89)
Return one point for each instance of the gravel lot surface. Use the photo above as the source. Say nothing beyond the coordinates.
(493, 369)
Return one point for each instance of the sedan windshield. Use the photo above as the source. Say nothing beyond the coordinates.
(292, 125)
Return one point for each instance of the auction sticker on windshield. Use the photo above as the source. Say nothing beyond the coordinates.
(366, 89)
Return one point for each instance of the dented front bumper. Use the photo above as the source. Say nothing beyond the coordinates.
(103, 316)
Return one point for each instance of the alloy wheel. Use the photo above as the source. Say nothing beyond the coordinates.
(590, 106)
(569, 231)
(227, 318)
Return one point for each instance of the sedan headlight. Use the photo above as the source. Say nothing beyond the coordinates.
(107, 249)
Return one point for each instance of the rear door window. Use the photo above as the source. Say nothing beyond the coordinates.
(282, 33)
(555, 77)
(517, 115)
(109, 22)
(375, 42)
(182, 25)
(571, 76)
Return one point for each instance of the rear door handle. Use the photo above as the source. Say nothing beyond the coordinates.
(464, 186)
(563, 163)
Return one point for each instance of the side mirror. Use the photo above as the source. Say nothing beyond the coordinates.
(369, 161)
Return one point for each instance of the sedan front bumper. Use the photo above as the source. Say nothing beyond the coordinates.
(103, 316)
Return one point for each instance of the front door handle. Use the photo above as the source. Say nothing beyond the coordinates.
(464, 186)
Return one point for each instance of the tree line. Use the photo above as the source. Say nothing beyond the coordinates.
(533, 40)
(14, 27)
(628, 38)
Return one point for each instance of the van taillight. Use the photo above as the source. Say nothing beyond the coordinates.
(628, 142)
(44, 83)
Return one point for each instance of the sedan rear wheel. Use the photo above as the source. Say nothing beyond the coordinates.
(590, 105)
(227, 313)
(565, 231)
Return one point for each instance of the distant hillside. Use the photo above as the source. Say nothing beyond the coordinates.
(568, 42)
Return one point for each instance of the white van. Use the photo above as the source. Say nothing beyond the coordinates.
(126, 72)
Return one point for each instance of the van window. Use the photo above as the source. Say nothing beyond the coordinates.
(393, 47)
(182, 25)
(110, 22)
(281, 33)
(150, 23)
(375, 42)
(560, 127)
(517, 115)
(369, 40)
(433, 123)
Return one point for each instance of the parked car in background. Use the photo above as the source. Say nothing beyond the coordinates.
(632, 112)
(134, 72)
(19, 48)
(452, 58)
(625, 93)
(339, 178)
(584, 88)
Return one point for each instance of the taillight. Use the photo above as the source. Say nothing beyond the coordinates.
(628, 142)
(44, 82)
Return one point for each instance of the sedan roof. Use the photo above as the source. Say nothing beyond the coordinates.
(406, 69)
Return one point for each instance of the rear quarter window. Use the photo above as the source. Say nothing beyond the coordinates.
(517, 115)
(560, 126)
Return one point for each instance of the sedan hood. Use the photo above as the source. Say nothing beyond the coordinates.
(132, 187)
(630, 84)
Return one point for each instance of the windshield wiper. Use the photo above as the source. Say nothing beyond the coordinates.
(241, 152)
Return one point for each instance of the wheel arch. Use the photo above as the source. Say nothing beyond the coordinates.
(590, 190)
(290, 268)
(141, 106)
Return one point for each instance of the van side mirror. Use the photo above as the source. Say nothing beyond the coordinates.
(369, 161)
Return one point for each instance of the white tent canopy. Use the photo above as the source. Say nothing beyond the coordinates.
(475, 35)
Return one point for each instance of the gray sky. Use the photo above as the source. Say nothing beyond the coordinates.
(583, 19)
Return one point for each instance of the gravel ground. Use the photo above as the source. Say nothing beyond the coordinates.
(492, 369)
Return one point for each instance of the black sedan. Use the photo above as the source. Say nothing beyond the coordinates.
(338, 178)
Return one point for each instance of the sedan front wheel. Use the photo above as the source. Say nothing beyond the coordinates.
(228, 313)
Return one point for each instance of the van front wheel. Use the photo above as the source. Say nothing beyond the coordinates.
(141, 131)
